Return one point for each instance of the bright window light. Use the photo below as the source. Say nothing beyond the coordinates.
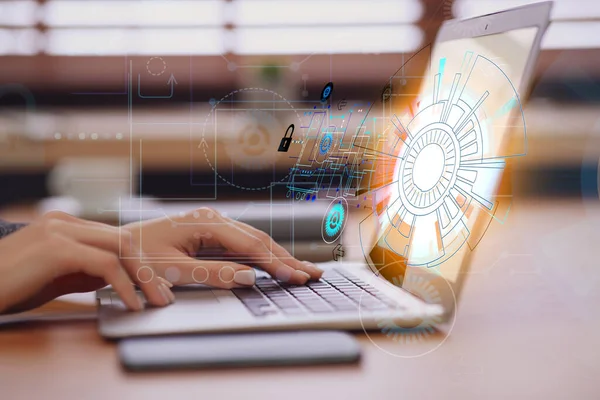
(18, 13)
(18, 41)
(123, 13)
(572, 35)
(563, 9)
(79, 42)
(324, 12)
(325, 40)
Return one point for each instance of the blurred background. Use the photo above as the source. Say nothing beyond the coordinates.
(66, 96)
(104, 100)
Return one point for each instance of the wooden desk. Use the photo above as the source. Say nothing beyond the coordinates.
(528, 327)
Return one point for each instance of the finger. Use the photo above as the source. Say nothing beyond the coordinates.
(117, 243)
(285, 256)
(315, 272)
(239, 241)
(147, 279)
(77, 257)
(219, 274)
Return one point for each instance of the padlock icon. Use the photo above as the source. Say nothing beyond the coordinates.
(286, 141)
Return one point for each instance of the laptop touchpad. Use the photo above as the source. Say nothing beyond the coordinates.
(182, 294)
(194, 294)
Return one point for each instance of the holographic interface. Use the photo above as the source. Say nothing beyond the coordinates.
(441, 155)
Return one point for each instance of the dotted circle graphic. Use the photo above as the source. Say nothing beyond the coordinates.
(216, 104)
(160, 60)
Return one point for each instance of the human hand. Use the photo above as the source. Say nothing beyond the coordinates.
(168, 247)
(59, 254)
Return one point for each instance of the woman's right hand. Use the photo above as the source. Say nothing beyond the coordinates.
(59, 254)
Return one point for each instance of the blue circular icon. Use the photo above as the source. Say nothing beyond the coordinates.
(334, 221)
(326, 92)
(326, 142)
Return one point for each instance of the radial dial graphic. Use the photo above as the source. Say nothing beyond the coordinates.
(440, 165)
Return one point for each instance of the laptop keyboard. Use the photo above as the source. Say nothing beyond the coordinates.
(336, 291)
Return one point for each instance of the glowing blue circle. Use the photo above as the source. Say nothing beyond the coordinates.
(326, 91)
(334, 220)
(326, 142)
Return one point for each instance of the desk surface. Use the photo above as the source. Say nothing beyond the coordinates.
(528, 327)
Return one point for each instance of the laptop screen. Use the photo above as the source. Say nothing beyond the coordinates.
(442, 158)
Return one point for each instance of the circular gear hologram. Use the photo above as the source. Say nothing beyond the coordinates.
(334, 220)
(440, 165)
(429, 170)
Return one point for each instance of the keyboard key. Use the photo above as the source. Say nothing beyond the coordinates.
(303, 295)
(313, 301)
(351, 291)
(319, 308)
(344, 285)
(256, 302)
(293, 311)
(246, 293)
(287, 306)
(277, 295)
(324, 293)
(300, 291)
(261, 310)
(345, 307)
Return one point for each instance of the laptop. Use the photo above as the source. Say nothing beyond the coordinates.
(412, 272)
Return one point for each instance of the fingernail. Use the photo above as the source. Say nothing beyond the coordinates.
(166, 293)
(246, 277)
(284, 274)
(170, 294)
(302, 275)
(166, 282)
